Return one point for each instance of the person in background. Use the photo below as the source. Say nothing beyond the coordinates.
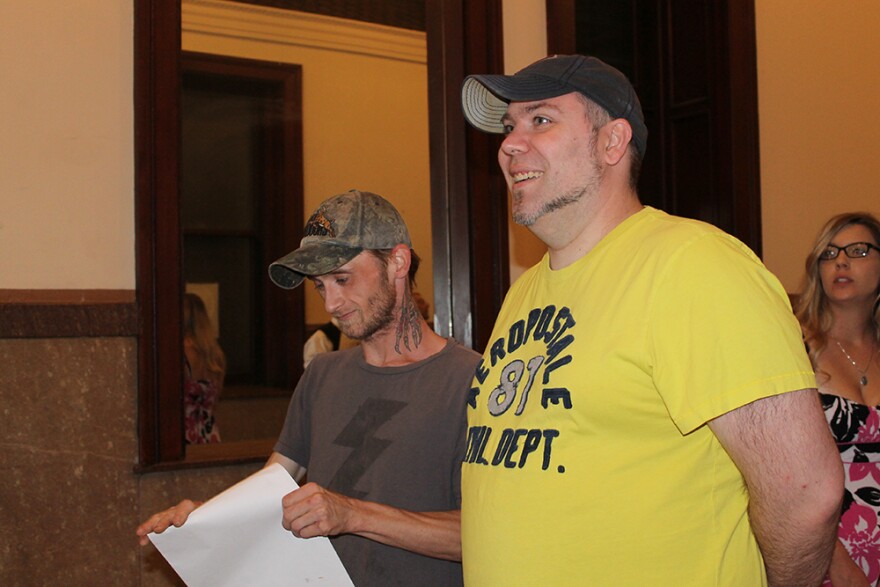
(645, 412)
(327, 338)
(839, 314)
(204, 371)
(379, 428)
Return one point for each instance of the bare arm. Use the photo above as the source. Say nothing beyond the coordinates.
(784, 450)
(844, 572)
(313, 510)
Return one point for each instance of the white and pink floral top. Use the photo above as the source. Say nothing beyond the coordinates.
(856, 429)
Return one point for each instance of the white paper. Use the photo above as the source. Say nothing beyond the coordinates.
(236, 539)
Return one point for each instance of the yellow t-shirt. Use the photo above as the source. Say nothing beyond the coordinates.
(589, 462)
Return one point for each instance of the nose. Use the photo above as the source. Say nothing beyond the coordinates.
(842, 260)
(513, 144)
(332, 299)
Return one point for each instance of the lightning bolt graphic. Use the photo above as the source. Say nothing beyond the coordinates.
(358, 434)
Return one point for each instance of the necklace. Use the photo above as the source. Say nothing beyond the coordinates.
(863, 380)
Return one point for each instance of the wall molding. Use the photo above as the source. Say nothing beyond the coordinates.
(67, 313)
(219, 18)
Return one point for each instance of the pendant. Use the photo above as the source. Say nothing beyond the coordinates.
(863, 380)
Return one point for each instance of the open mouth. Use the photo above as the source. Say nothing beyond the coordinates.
(520, 177)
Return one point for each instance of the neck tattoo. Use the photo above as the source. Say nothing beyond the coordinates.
(863, 380)
(409, 330)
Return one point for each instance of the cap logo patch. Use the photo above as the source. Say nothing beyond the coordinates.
(319, 225)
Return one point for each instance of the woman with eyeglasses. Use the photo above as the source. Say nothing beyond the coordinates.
(838, 311)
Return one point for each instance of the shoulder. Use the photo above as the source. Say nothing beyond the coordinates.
(666, 232)
(683, 253)
(455, 359)
(463, 354)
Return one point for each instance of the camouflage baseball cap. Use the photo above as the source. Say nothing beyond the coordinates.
(338, 231)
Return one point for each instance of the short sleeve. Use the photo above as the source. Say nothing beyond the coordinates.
(293, 442)
(722, 332)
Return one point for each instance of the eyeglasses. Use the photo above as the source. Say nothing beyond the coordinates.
(852, 250)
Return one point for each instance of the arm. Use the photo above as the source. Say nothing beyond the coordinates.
(844, 572)
(315, 511)
(794, 476)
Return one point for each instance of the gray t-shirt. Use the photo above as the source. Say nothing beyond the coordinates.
(391, 435)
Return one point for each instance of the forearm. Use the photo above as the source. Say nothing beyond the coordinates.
(791, 466)
(435, 534)
(796, 543)
(844, 571)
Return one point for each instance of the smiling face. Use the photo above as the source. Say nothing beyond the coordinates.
(548, 156)
(360, 295)
(846, 279)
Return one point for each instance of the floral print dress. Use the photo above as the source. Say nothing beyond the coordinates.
(199, 400)
(856, 429)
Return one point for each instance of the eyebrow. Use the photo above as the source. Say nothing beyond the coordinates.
(852, 243)
(330, 274)
(530, 109)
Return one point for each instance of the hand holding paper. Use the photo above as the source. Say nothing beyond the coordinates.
(237, 538)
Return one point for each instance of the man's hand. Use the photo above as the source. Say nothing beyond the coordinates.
(313, 511)
(158, 523)
(844, 572)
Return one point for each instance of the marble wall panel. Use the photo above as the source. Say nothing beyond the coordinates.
(70, 498)
(68, 446)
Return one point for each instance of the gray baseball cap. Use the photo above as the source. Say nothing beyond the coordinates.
(484, 98)
(338, 231)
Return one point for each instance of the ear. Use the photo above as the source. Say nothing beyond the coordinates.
(399, 261)
(618, 136)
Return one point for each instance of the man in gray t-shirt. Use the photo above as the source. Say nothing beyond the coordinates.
(380, 428)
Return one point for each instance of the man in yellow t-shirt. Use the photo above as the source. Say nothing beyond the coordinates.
(644, 412)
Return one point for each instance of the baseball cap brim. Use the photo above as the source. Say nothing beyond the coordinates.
(312, 258)
(485, 98)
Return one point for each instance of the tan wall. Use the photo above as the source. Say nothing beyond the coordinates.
(66, 146)
(817, 87)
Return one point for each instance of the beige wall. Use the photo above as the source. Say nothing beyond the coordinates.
(66, 167)
(818, 87)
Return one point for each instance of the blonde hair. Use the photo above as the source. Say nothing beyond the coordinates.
(198, 328)
(812, 308)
